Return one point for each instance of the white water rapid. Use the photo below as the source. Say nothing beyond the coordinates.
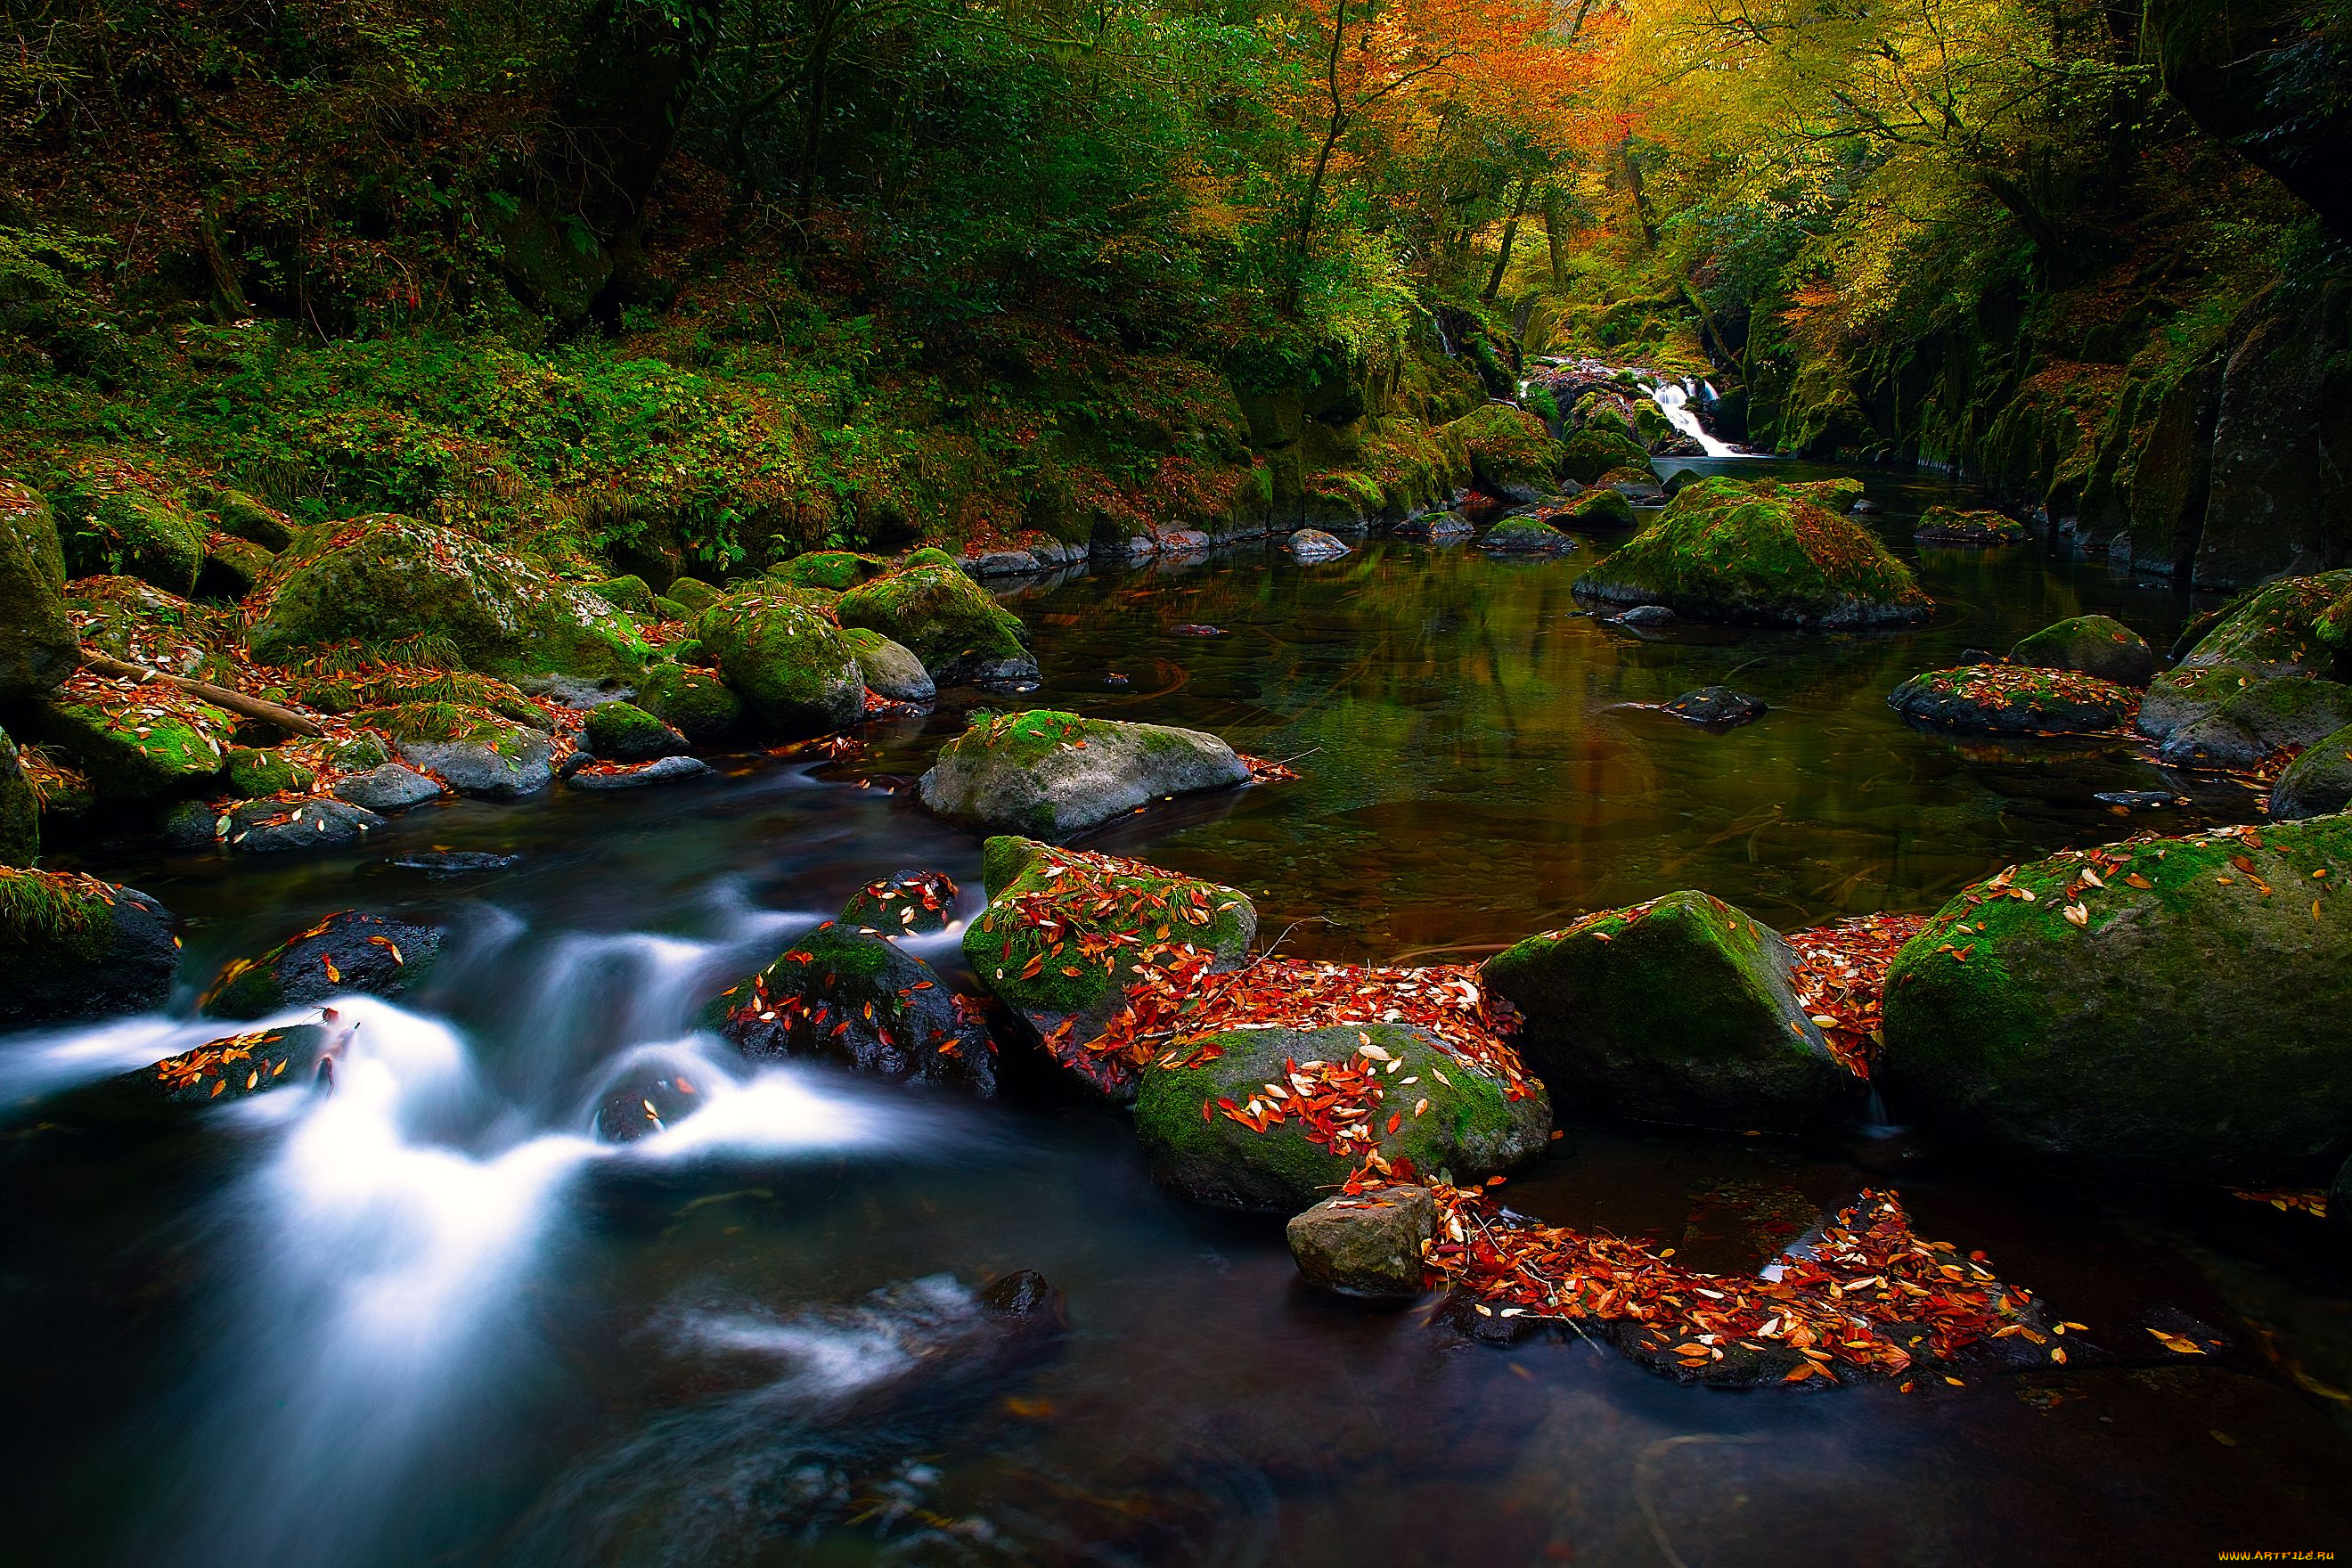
(1672, 398)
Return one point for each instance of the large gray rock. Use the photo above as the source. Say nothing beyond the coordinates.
(390, 786)
(1369, 1244)
(890, 669)
(785, 657)
(1048, 774)
(1311, 545)
(273, 828)
(474, 752)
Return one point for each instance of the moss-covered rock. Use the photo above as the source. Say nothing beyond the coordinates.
(1526, 536)
(115, 518)
(137, 743)
(2166, 1008)
(345, 953)
(890, 669)
(396, 686)
(1598, 508)
(1589, 454)
(695, 702)
(950, 623)
(75, 947)
(231, 566)
(129, 619)
(694, 594)
(845, 995)
(836, 570)
(474, 752)
(37, 643)
(2014, 700)
(20, 809)
(786, 658)
(383, 579)
(1680, 1010)
(254, 773)
(624, 733)
(1369, 1244)
(1511, 453)
(2266, 676)
(1067, 936)
(1950, 525)
(2317, 782)
(904, 903)
(2096, 645)
(627, 592)
(1722, 550)
(1047, 773)
(241, 516)
(1456, 1120)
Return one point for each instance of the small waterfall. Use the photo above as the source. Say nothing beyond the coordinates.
(1672, 398)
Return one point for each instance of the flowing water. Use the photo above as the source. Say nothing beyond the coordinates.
(429, 1319)
(1672, 398)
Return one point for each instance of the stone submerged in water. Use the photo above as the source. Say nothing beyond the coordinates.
(1047, 773)
(845, 995)
(2096, 645)
(1716, 708)
(1366, 1246)
(639, 775)
(347, 952)
(2168, 1008)
(1310, 546)
(1641, 617)
(74, 947)
(1458, 1119)
(2316, 783)
(441, 864)
(388, 786)
(1525, 536)
(275, 828)
(1680, 1010)
(904, 903)
(1951, 525)
(646, 1105)
(2014, 700)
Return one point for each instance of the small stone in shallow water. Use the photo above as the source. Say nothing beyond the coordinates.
(1366, 1246)
(1114, 680)
(1309, 545)
(667, 770)
(1716, 708)
(1194, 629)
(440, 863)
(2140, 799)
(643, 1106)
(1644, 615)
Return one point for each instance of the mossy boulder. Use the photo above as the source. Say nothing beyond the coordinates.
(697, 703)
(836, 570)
(346, 952)
(694, 594)
(786, 658)
(1679, 1010)
(904, 903)
(2096, 645)
(137, 743)
(241, 516)
(1457, 1120)
(890, 669)
(2014, 700)
(257, 771)
(1598, 508)
(624, 733)
(1066, 938)
(951, 624)
(383, 579)
(2317, 782)
(1511, 453)
(845, 995)
(231, 566)
(75, 947)
(1369, 1244)
(1047, 773)
(1950, 525)
(115, 517)
(1723, 551)
(627, 592)
(1526, 536)
(137, 621)
(396, 686)
(1586, 454)
(2167, 1008)
(37, 649)
(2267, 676)
(20, 809)
(474, 752)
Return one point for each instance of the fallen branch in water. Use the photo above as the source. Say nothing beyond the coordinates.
(219, 696)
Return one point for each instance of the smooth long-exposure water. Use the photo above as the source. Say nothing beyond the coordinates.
(428, 1319)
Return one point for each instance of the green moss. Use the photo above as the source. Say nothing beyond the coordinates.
(625, 732)
(784, 657)
(1948, 525)
(931, 607)
(391, 688)
(118, 519)
(625, 593)
(1596, 508)
(1587, 455)
(254, 773)
(693, 593)
(833, 570)
(36, 641)
(133, 749)
(55, 910)
(694, 702)
(20, 809)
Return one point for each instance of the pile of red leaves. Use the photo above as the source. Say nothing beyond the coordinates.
(1840, 980)
(1868, 1274)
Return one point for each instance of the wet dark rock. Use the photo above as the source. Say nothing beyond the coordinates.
(1644, 615)
(20, 809)
(624, 733)
(1047, 773)
(2096, 645)
(74, 947)
(646, 1105)
(1114, 680)
(637, 775)
(2317, 782)
(1526, 536)
(2013, 700)
(440, 863)
(276, 828)
(1433, 528)
(904, 903)
(840, 994)
(347, 952)
(2141, 799)
(1369, 1244)
(1981, 656)
(236, 1066)
(1310, 545)
(391, 786)
(1024, 1294)
(1194, 629)
(1865, 507)
(1718, 707)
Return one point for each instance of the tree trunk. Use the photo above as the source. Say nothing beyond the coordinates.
(1510, 234)
(1553, 239)
(1640, 197)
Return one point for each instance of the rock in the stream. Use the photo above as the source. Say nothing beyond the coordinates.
(648, 1102)
(2316, 783)
(2014, 700)
(2096, 645)
(347, 952)
(37, 647)
(1048, 774)
(1645, 617)
(75, 947)
(388, 786)
(1052, 912)
(274, 827)
(1597, 507)
(890, 669)
(961, 633)
(624, 733)
(1680, 1010)
(1586, 455)
(2271, 674)
(904, 903)
(1725, 551)
(1716, 708)
(442, 864)
(474, 751)
(1526, 536)
(1457, 1120)
(840, 995)
(785, 659)
(237, 1067)
(1950, 525)
(639, 775)
(1369, 1244)
(1511, 452)
(1311, 545)
(836, 570)
(695, 702)
(2168, 1008)
(1435, 527)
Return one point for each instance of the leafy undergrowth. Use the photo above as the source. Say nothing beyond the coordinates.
(1840, 977)
(1869, 1298)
